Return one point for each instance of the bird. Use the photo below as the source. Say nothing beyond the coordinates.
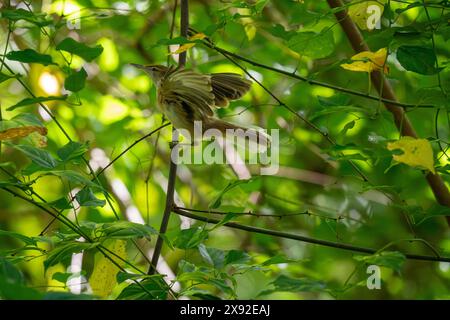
(185, 96)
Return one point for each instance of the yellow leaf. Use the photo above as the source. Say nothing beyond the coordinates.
(250, 31)
(366, 14)
(187, 46)
(103, 278)
(368, 61)
(21, 132)
(198, 36)
(416, 152)
(183, 48)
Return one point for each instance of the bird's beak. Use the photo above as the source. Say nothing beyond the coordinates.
(139, 66)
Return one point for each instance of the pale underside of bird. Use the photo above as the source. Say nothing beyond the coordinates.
(187, 97)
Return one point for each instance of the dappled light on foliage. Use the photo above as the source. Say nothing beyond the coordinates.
(348, 99)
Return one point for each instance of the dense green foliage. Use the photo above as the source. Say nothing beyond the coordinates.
(71, 103)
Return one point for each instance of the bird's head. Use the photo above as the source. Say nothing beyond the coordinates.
(155, 71)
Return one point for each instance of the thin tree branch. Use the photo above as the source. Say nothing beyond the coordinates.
(291, 236)
(253, 214)
(131, 146)
(184, 25)
(384, 88)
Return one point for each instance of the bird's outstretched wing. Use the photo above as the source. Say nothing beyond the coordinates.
(228, 86)
(193, 90)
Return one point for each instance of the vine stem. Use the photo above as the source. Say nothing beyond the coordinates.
(326, 243)
(384, 88)
(184, 25)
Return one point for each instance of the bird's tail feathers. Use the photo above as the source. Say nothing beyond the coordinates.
(253, 135)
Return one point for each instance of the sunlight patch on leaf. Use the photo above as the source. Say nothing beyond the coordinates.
(20, 132)
(104, 277)
(368, 61)
(416, 152)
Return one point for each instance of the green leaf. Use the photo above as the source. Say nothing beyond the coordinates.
(28, 101)
(28, 119)
(5, 77)
(72, 150)
(190, 238)
(40, 157)
(200, 294)
(378, 39)
(212, 256)
(279, 32)
(228, 217)
(418, 59)
(125, 230)
(76, 81)
(389, 259)
(25, 239)
(22, 14)
(287, 284)
(64, 252)
(57, 295)
(236, 257)
(12, 285)
(15, 183)
(61, 204)
(30, 56)
(80, 49)
(279, 258)
(313, 45)
(444, 31)
(218, 200)
(176, 40)
(123, 276)
(61, 277)
(87, 198)
(149, 289)
(73, 177)
(10, 273)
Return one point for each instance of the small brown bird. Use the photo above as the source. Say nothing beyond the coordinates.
(185, 96)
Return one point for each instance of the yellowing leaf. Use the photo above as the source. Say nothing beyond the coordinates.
(368, 61)
(250, 31)
(198, 36)
(103, 278)
(366, 14)
(21, 132)
(183, 48)
(416, 152)
(187, 46)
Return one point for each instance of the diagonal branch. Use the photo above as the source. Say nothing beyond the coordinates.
(184, 25)
(384, 88)
(326, 243)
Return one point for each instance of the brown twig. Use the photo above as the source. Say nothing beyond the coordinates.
(184, 25)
